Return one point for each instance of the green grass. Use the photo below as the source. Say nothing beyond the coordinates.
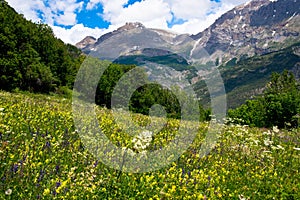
(42, 157)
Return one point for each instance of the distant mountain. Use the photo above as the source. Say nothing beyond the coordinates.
(255, 28)
(134, 36)
(86, 42)
(248, 43)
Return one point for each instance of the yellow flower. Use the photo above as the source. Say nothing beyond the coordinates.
(173, 189)
(46, 191)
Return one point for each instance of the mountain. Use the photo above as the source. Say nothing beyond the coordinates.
(255, 28)
(247, 44)
(131, 37)
(86, 42)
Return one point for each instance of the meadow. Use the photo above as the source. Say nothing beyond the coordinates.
(42, 157)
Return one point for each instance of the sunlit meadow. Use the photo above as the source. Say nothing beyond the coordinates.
(43, 157)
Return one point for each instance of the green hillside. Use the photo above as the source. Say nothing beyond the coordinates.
(245, 78)
(31, 57)
(43, 157)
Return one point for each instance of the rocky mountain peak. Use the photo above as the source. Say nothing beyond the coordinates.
(254, 28)
(88, 40)
(130, 26)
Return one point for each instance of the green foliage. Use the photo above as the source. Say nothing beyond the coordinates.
(142, 98)
(31, 57)
(245, 77)
(150, 94)
(109, 80)
(279, 105)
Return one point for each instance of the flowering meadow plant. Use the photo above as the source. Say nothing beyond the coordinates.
(42, 157)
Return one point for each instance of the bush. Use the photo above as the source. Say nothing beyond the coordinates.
(279, 105)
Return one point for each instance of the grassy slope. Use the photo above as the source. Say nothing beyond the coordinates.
(42, 157)
(246, 78)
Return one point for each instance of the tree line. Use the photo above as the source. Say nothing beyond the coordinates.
(278, 106)
(31, 57)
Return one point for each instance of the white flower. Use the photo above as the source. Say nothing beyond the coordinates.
(297, 149)
(275, 129)
(267, 133)
(142, 141)
(8, 192)
(128, 151)
(241, 197)
(256, 142)
(268, 142)
(280, 147)
(1, 109)
(277, 147)
(267, 152)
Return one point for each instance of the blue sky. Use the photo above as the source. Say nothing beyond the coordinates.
(72, 20)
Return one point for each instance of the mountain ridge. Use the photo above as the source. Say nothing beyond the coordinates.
(244, 27)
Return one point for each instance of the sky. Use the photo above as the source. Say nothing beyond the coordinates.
(73, 20)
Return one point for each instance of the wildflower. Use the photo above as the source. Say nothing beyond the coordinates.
(173, 189)
(46, 191)
(57, 168)
(15, 168)
(8, 192)
(96, 163)
(142, 141)
(47, 145)
(1, 109)
(267, 133)
(278, 147)
(275, 129)
(268, 142)
(241, 197)
(58, 184)
(297, 149)
(130, 152)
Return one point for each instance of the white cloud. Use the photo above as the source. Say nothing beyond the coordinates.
(62, 12)
(190, 9)
(68, 8)
(92, 4)
(27, 8)
(197, 14)
(77, 33)
(193, 26)
(68, 18)
(152, 13)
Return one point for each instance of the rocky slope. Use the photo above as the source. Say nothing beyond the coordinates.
(86, 43)
(255, 28)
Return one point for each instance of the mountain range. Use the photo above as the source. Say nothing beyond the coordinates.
(247, 44)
